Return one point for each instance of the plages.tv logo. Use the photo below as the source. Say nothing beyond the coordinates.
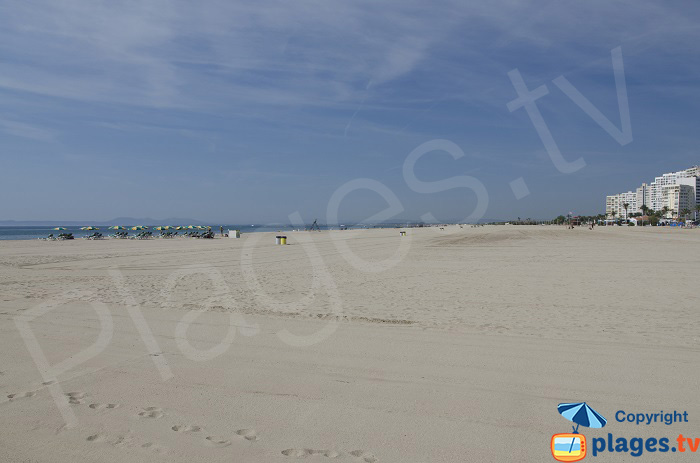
(572, 446)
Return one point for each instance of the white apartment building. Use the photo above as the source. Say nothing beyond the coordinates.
(643, 197)
(658, 195)
(617, 203)
(678, 198)
(694, 183)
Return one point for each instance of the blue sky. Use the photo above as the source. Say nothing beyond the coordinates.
(243, 112)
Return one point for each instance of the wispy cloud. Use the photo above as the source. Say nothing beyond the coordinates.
(20, 129)
(181, 85)
(179, 54)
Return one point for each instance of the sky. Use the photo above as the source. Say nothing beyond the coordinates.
(248, 112)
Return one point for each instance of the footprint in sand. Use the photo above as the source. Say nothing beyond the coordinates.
(151, 412)
(248, 434)
(215, 441)
(365, 456)
(102, 406)
(76, 398)
(48, 383)
(303, 453)
(152, 446)
(191, 428)
(99, 437)
(124, 441)
(20, 395)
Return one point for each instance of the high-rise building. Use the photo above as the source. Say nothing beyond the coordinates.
(677, 199)
(618, 202)
(677, 191)
(643, 196)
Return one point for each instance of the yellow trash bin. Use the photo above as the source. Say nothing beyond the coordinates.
(283, 240)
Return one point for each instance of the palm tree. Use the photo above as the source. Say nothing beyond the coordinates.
(645, 212)
(697, 209)
(685, 212)
(626, 205)
(664, 211)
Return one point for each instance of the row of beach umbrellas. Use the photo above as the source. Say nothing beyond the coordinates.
(141, 227)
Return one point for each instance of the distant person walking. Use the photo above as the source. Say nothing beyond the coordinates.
(221, 229)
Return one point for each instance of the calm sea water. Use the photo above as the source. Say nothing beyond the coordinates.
(32, 233)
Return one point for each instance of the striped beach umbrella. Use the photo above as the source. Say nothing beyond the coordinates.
(581, 414)
(89, 228)
(117, 227)
(60, 228)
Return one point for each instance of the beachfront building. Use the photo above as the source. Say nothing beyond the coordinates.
(694, 183)
(675, 191)
(657, 199)
(643, 198)
(615, 205)
(678, 198)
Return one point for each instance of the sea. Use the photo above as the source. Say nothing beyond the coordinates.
(37, 232)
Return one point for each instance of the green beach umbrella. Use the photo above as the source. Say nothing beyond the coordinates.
(60, 228)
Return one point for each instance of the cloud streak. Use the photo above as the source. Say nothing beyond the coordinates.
(185, 89)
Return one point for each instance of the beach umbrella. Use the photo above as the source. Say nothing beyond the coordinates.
(117, 227)
(60, 228)
(581, 414)
(191, 227)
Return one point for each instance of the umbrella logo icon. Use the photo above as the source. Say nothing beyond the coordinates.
(572, 446)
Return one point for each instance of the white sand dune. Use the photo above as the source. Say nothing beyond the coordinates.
(240, 350)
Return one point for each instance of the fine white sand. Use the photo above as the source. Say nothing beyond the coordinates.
(239, 350)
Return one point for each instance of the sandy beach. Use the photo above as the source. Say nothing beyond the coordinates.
(355, 346)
